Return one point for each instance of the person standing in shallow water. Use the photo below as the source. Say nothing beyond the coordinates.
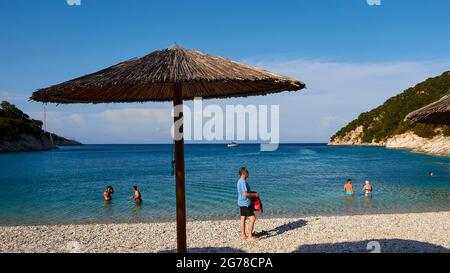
(137, 196)
(367, 189)
(107, 194)
(244, 203)
(348, 187)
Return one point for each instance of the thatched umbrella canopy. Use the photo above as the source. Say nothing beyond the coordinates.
(435, 113)
(153, 76)
(171, 74)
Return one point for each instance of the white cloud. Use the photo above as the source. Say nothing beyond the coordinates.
(51, 116)
(129, 125)
(329, 120)
(141, 114)
(77, 118)
(341, 90)
(336, 77)
(8, 96)
(336, 93)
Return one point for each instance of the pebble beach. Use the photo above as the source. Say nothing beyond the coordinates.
(386, 233)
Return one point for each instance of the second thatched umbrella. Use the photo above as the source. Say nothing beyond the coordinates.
(171, 74)
(435, 113)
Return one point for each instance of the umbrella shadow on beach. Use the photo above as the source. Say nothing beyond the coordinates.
(374, 246)
(207, 250)
(281, 229)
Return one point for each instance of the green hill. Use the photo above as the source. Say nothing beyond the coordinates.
(388, 119)
(19, 132)
(14, 122)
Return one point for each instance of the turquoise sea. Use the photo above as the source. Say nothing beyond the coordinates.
(66, 185)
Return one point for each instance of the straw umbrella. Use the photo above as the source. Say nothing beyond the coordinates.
(172, 74)
(436, 113)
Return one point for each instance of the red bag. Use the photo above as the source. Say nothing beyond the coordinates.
(257, 204)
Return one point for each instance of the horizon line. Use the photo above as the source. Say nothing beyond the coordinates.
(224, 143)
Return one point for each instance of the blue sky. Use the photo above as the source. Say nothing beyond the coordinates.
(352, 56)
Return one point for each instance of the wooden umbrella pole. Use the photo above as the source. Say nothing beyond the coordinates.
(179, 175)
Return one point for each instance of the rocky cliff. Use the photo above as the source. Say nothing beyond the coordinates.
(34, 143)
(437, 145)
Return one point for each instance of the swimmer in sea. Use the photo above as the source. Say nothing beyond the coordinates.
(348, 187)
(137, 196)
(367, 189)
(107, 194)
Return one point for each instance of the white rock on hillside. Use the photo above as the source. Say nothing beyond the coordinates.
(354, 138)
(439, 145)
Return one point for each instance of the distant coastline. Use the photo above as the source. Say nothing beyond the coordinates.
(21, 133)
(28, 143)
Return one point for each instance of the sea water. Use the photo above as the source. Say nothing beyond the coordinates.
(66, 185)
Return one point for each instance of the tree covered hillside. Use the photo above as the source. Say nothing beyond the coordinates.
(19, 132)
(14, 122)
(387, 120)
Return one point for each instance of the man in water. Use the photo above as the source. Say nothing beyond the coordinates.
(244, 203)
(367, 189)
(137, 196)
(107, 194)
(348, 187)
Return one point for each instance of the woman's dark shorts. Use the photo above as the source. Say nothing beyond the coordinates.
(247, 211)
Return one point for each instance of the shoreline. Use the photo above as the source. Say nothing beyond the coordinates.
(405, 232)
(411, 150)
(213, 219)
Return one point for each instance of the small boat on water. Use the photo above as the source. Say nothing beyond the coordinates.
(232, 145)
